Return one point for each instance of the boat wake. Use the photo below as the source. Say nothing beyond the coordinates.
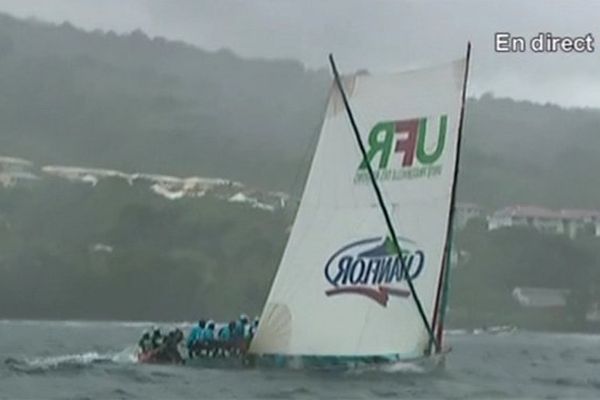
(420, 367)
(404, 367)
(70, 361)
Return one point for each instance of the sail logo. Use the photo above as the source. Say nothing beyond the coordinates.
(405, 149)
(372, 268)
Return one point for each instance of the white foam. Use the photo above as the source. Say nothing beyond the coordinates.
(452, 332)
(126, 356)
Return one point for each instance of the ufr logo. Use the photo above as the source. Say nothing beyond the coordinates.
(405, 149)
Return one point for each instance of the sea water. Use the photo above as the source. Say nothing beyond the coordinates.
(96, 360)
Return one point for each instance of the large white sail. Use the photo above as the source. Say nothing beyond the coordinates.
(339, 289)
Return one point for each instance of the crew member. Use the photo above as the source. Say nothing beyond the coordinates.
(157, 338)
(169, 351)
(208, 338)
(145, 342)
(225, 339)
(195, 338)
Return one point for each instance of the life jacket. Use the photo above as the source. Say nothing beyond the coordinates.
(239, 329)
(196, 334)
(224, 334)
(208, 335)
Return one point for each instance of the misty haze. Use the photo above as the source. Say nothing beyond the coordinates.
(161, 163)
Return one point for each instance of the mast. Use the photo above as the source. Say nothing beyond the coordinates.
(441, 300)
(381, 202)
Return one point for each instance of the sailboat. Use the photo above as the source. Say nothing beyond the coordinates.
(364, 275)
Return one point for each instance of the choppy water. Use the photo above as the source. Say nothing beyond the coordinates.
(94, 360)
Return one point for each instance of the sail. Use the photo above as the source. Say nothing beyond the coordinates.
(341, 289)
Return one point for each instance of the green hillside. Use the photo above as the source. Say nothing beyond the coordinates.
(137, 103)
(134, 103)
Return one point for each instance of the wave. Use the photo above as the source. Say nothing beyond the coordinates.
(568, 382)
(453, 332)
(417, 367)
(593, 337)
(404, 367)
(71, 361)
(95, 324)
(486, 330)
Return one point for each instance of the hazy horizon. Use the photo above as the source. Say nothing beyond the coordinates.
(307, 33)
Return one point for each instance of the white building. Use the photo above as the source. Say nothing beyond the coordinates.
(85, 175)
(464, 212)
(569, 222)
(579, 220)
(15, 170)
(540, 297)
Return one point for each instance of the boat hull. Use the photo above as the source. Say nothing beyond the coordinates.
(157, 357)
(307, 363)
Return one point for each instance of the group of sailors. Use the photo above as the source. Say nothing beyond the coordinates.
(206, 339)
(165, 347)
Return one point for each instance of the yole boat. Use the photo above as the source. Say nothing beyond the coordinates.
(364, 276)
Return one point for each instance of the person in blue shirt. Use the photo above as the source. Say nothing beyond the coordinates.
(226, 338)
(208, 338)
(240, 327)
(145, 342)
(157, 338)
(195, 337)
(209, 332)
(225, 332)
(252, 329)
(239, 333)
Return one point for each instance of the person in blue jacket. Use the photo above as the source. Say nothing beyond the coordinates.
(226, 341)
(195, 338)
(208, 338)
(239, 333)
(225, 333)
(252, 329)
(240, 327)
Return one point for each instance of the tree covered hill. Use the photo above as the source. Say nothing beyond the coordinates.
(520, 152)
(134, 103)
(116, 251)
(501, 260)
(131, 102)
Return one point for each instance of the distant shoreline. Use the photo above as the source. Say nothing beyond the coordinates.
(452, 330)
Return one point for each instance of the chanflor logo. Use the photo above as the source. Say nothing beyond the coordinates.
(372, 268)
(404, 149)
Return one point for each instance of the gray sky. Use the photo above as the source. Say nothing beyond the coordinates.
(372, 34)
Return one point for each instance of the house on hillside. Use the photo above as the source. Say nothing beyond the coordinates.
(84, 175)
(464, 212)
(561, 222)
(580, 221)
(174, 188)
(15, 170)
(531, 297)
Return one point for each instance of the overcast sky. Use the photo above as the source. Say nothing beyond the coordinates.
(371, 34)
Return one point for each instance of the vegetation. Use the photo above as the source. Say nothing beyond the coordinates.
(500, 260)
(96, 99)
(147, 104)
(156, 259)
